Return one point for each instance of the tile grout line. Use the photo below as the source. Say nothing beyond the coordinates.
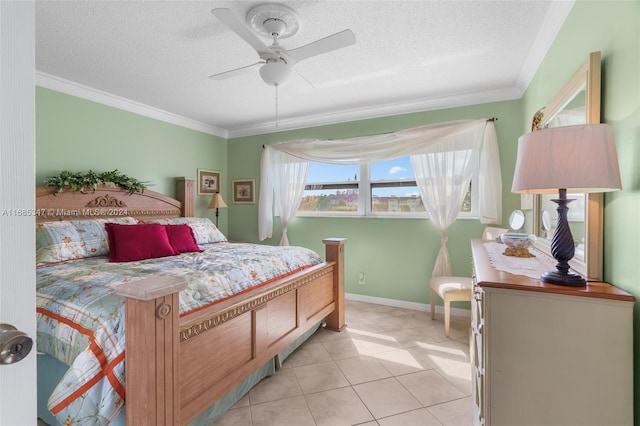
(408, 320)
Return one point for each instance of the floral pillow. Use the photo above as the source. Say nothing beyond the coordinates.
(203, 229)
(74, 239)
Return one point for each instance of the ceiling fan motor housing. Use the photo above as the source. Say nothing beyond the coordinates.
(275, 26)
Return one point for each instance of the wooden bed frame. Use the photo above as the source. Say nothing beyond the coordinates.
(178, 367)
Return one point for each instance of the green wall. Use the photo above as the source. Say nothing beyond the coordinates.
(613, 28)
(396, 255)
(78, 135)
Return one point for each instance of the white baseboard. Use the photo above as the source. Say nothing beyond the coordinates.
(424, 307)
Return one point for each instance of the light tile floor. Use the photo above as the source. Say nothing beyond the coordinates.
(390, 367)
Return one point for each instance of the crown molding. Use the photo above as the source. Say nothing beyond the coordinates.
(386, 110)
(335, 117)
(85, 92)
(551, 25)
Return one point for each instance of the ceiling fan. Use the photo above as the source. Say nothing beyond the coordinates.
(278, 22)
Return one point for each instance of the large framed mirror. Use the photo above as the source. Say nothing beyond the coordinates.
(577, 102)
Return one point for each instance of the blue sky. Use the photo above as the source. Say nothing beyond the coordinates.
(397, 169)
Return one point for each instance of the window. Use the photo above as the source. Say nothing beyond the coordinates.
(331, 188)
(393, 188)
(386, 188)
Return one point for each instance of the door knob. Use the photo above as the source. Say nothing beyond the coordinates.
(14, 344)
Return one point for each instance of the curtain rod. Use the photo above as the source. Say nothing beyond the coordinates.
(492, 119)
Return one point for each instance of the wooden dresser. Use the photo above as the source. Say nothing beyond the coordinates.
(548, 355)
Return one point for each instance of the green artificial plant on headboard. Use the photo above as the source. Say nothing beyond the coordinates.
(81, 181)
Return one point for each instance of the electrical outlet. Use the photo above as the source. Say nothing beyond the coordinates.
(361, 278)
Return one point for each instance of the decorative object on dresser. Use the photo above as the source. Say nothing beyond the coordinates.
(208, 182)
(516, 220)
(244, 191)
(517, 244)
(578, 158)
(217, 202)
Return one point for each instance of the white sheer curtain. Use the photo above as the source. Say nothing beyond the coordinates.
(490, 178)
(383, 147)
(285, 179)
(443, 175)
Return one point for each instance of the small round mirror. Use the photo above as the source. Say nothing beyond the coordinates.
(516, 220)
(546, 220)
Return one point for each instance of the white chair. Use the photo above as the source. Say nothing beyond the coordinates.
(490, 233)
(450, 289)
(454, 289)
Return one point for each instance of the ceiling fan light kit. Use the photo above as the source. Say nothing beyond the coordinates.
(275, 73)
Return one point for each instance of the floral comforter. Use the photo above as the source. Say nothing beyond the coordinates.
(81, 319)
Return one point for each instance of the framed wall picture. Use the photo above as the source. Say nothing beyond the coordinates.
(244, 191)
(208, 182)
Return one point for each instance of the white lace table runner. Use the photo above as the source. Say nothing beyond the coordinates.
(531, 267)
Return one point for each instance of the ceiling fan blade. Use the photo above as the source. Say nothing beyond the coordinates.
(237, 26)
(333, 42)
(232, 73)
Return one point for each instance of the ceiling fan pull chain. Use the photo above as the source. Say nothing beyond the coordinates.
(276, 86)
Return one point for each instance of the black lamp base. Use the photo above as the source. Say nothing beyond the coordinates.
(562, 248)
(558, 278)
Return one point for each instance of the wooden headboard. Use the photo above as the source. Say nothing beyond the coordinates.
(108, 202)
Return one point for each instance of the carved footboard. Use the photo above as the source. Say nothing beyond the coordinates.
(177, 367)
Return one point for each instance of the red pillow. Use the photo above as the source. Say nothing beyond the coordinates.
(182, 238)
(138, 242)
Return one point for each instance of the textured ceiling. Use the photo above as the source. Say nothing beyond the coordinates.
(409, 56)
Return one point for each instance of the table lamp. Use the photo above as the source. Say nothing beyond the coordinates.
(217, 202)
(580, 158)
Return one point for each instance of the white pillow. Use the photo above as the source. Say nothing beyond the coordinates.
(204, 230)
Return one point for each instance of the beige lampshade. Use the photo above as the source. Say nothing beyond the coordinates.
(217, 202)
(580, 158)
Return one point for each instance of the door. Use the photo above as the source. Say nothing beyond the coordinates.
(17, 201)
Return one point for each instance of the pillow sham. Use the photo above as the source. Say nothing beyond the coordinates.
(181, 238)
(128, 243)
(203, 229)
(73, 239)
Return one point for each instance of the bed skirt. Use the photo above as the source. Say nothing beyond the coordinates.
(50, 371)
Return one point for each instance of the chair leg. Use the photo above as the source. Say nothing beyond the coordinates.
(433, 304)
(447, 312)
